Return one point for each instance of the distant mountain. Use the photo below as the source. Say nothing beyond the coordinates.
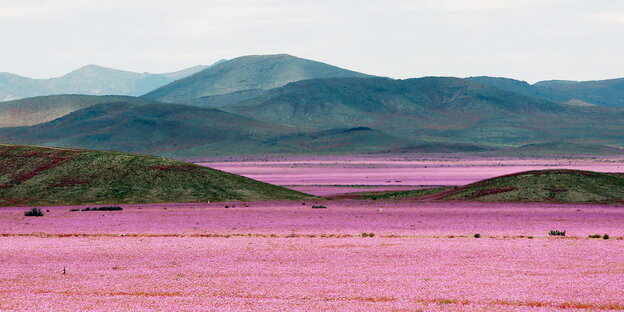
(36, 110)
(601, 92)
(32, 175)
(254, 72)
(382, 102)
(438, 109)
(579, 93)
(91, 80)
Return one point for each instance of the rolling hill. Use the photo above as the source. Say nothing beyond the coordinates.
(555, 185)
(152, 128)
(52, 176)
(31, 111)
(89, 80)
(246, 73)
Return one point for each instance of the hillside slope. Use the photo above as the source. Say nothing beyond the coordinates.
(253, 72)
(51, 176)
(31, 111)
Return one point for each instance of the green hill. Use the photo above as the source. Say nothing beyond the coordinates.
(52, 176)
(556, 185)
(253, 72)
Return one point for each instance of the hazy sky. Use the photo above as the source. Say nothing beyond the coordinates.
(525, 39)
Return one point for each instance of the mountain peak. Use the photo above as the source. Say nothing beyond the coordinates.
(250, 72)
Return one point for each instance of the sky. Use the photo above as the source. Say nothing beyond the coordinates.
(529, 40)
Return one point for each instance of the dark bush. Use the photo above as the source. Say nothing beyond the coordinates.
(477, 235)
(595, 236)
(606, 236)
(107, 208)
(557, 233)
(34, 212)
(319, 207)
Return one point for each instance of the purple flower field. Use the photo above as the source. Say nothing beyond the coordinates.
(353, 255)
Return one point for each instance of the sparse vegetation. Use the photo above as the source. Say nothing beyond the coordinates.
(319, 207)
(401, 194)
(34, 212)
(367, 234)
(557, 233)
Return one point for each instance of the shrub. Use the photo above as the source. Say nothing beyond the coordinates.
(557, 233)
(319, 207)
(34, 212)
(107, 208)
(477, 235)
(595, 236)
(530, 237)
(368, 234)
(606, 236)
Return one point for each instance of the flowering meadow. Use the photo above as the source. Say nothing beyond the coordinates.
(321, 255)
(286, 256)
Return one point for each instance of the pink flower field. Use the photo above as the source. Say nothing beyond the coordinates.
(288, 256)
(277, 256)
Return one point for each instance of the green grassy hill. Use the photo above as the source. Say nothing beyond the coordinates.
(52, 176)
(556, 185)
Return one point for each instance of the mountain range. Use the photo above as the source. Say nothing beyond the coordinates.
(284, 104)
(91, 80)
